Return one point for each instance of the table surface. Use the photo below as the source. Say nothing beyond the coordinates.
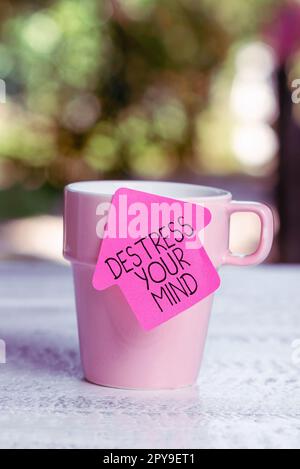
(247, 396)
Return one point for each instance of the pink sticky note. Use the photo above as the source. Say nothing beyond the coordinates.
(151, 250)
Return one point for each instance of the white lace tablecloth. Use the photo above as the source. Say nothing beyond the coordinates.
(248, 393)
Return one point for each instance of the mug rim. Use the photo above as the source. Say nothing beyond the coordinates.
(162, 188)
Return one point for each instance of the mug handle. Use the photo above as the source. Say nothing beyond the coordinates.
(266, 233)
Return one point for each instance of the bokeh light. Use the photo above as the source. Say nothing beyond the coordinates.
(133, 88)
(255, 145)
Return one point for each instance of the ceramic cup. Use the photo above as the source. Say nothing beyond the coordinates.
(115, 350)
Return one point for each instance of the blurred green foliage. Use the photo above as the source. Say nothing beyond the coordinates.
(114, 87)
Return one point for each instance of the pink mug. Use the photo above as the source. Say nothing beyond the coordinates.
(115, 350)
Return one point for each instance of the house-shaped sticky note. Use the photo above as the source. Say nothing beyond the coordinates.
(151, 249)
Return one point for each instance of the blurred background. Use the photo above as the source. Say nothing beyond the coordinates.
(196, 91)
